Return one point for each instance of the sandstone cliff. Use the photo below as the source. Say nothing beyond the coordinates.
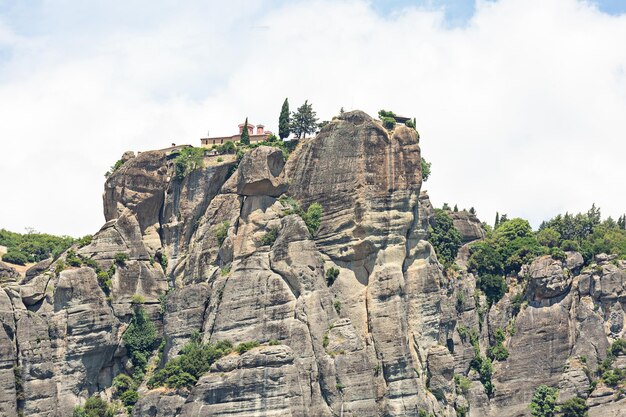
(385, 337)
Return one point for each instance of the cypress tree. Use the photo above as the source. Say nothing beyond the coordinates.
(283, 121)
(245, 136)
(497, 222)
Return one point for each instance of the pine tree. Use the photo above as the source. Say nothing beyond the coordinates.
(456, 208)
(472, 210)
(284, 121)
(245, 136)
(304, 121)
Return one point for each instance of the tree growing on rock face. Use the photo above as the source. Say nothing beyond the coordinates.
(245, 136)
(284, 128)
(543, 403)
(304, 120)
(444, 237)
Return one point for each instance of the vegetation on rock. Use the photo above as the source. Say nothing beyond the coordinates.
(444, 237)
(194, 360)
(34, 246)
(303, 120)
(188, 160)
(543, 403)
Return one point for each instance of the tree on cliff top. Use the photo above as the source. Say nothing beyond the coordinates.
(304, 121)
(283, 121)
(245, 136)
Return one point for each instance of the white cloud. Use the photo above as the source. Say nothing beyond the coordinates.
(520, 111)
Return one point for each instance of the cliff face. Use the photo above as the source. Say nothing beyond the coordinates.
(386, 337)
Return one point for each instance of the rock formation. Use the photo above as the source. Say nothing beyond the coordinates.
(390, 334)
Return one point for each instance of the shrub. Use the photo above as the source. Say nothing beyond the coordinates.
(104, 281)
(273, 342)
(123, 383)
(543, 403)
(140, 337)
(162, 258)
(558, 254)
(548, 237)
(114, 168)
(188, 160)
(337, 306)
(72, 259)
(570, 245)
(618, 347)
(313, 217)
(221, 232)
(331, 275)
(574, 407)
(385, 113)
(269, 238)
(246, 346)
(494, 287)
(194, 360)
(94, 407)
(444, 237)
(60, 266)
(15, 258)
(120, 258)
(129, 398)
(462, 383)
(498, 352)
(426, 166)
(220, 159)
(389, 123)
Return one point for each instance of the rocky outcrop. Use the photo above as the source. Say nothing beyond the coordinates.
(8, 273)
(468, 225)
(356, 318)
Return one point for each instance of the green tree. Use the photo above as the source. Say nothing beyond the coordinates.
(543, 403)
(548, 237)
(304, 120)
(574, 407)
(284, 121)
(444, 237)
(140, 337)
(245, 136)
(94, 407)
(425, 169)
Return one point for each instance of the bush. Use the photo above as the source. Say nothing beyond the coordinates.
(574, 407)
(94, 407)
(221, 232)
(389, 122)
(71, 259)
(425, 169)
(140, 337)
(194, 360)
(462, 383)
(558, 254)
(188, 160)
(549, 237)
(543, 403)
(570, 245)
(129, 398)
(498, 352)
(618, 347)
(444, 237)
(246, 346)
(17, 258)
(331, 275)
(494, 287)
(120, 258)
(313, 217)
(269, 238)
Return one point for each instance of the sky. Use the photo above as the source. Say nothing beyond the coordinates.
(520, 104)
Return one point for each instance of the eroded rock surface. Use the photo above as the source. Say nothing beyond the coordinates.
(357, 318)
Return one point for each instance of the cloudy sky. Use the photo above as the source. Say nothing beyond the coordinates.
(521, 104)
